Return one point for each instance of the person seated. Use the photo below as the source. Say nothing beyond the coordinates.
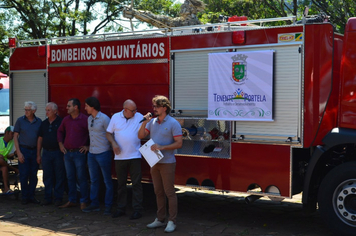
(7, 151)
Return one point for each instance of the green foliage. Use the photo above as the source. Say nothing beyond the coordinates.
(161, 7)
(6, 32)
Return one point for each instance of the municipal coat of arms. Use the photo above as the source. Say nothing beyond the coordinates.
(239, 68)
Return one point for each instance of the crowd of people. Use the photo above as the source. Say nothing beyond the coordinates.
(71, 147)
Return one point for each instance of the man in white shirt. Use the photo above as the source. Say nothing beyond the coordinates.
(122, 134)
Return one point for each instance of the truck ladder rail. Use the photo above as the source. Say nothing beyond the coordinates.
(32, 42)
(227, 26)
(248, 23)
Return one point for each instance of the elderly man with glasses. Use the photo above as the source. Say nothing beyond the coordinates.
(122, 134)
(25, 138)
(52, 157)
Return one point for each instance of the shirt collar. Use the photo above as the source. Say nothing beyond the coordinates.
(97, 115)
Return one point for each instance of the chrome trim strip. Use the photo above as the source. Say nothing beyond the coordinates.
(101, 63)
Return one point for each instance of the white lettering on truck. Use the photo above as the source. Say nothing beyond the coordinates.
(130, 51)
(74, 54)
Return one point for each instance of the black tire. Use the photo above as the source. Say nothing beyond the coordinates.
(337, 199)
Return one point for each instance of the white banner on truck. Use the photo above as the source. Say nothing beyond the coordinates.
(241, 86)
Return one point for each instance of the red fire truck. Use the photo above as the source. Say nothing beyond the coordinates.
(306, 143)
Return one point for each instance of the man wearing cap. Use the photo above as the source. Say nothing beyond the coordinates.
(7, 150)
(25, 138)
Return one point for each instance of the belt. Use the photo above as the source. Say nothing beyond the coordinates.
(73, 150)
(28, 147)
(51, 149)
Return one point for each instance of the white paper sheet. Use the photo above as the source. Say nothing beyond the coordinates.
(152, 157)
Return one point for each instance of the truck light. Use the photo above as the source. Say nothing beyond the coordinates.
(1, 86)
(41, 50)
(12, 42)
(238, 18)
(238, 37)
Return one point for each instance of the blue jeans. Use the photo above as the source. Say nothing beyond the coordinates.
(28, 173)
(100, 164)
(76, 167)
(53, 174)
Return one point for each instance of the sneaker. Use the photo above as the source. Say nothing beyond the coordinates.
(91, 208)
(107, 211)
(156, 224)
(170, 227)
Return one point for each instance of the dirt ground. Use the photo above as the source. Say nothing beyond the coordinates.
(200, 213)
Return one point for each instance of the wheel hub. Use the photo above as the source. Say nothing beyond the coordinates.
(346, 202)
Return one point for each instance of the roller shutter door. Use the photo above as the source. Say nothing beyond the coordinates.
(28, 86)
(190, 89)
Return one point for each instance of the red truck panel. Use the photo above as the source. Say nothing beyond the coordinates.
(210, 40)
(113, 71)
(27, 59)
(109, 84)
(348, 96)
(319, 81)
(259, 164)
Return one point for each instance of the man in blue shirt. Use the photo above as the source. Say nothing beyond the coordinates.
(166, 133)
(25, 139)
(99, 156)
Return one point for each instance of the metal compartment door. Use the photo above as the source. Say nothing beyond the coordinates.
(25, 86)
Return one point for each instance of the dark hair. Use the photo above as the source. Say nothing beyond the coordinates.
(76, 102)
(93, 102)
(162, 101)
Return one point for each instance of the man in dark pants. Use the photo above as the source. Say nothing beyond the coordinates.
(73, 138)
(122, 134)
(25, 139)
(52, 157)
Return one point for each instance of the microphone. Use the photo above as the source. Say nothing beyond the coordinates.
(150, 115)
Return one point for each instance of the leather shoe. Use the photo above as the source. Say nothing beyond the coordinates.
(57, 203)
(135, 215)
(24, 201)
(68, 204)
(45, 203)
(34, 201)
(118, 214)
(83, 205)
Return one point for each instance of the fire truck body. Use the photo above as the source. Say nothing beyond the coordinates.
(310, 136)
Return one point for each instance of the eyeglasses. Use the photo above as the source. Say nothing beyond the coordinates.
(28, 109)
(49, 128)
(154, 106)
(92, 123)
(133, 111)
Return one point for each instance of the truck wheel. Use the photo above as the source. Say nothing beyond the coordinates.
(337, 199)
